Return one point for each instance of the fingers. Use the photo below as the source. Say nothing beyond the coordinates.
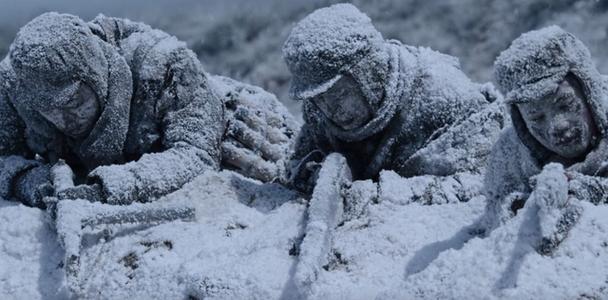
(259, 134)
(248, 162)
(272, 130)
(254, 140)
(256, 114)
(264, 116)
(252, 117)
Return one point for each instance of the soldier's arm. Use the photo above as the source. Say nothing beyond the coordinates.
(446, 164)
(192, 124)
(593, 189)
(445, 94)
(461, 147)
(20, 174)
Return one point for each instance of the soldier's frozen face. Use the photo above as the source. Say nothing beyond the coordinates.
(562, 121)
(344, 104)
(77, 117)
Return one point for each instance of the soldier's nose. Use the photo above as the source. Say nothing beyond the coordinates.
(562, 128)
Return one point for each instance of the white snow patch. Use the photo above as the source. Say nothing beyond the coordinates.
(244, 245)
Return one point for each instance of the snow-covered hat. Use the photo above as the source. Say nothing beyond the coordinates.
(537, 62)
(324, 45)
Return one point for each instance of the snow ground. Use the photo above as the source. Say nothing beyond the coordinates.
(243, 245)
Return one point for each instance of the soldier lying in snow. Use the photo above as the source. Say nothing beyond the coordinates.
(558, 105)
(128, 107)
(381, 104)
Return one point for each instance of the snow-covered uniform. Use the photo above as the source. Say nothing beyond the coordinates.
(160, 123)
(531, 68)
(416, 94)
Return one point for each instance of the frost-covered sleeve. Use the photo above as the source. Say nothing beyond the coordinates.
(462, 147)
(192, 124)
(506, 179)
(443, 94)
(593, 189)
(13, 159)
(14, 153)
(453, 161)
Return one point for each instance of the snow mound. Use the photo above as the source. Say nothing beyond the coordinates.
(30, 256)
(506, 266)
(244, 244)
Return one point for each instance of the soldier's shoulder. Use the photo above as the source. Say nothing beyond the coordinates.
(141, 45)
(439, 71)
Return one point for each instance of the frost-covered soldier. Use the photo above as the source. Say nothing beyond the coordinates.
(128, 107)
(558, 104)
(381, 103)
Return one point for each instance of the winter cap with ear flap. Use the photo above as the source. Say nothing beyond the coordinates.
(534, 66)
(325, 45)
(52, 55)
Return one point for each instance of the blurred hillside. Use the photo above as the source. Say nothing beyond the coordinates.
(242, 39)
